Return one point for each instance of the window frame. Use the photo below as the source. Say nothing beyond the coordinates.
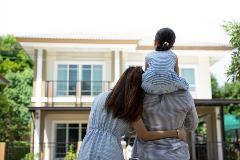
(194, 67)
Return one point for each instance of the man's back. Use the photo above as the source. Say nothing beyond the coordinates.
(166, 112)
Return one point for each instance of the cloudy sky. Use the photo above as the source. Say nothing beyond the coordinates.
(192, 20)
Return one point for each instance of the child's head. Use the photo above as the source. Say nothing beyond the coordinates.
(164, 39)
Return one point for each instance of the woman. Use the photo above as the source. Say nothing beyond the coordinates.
(112, 115)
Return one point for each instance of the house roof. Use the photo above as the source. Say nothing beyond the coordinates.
(81, 36)
(143, 43)
(198, 103)
(3, 80)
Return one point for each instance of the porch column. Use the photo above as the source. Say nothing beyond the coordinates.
(36, 136)
(116, 66)
(39, 66)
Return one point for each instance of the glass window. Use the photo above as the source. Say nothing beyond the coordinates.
(61, 140)
(68, 77)
(66, 135)
(97, 79)
(86, 79)
(189, 75)
(73, 78)
(83, 130)
(92, 76)
(62, 80)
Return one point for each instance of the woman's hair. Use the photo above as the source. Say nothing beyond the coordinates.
(165, 39)
(125, 101)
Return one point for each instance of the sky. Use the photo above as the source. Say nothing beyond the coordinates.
(192, 20)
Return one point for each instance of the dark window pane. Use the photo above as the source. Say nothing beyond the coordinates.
(60, 141)
(86, 80)
(73, 77)
(83, 131)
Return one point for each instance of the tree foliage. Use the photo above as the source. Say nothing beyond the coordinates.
(215, 88)
(230, 90)
(233, 29)
(17, 67)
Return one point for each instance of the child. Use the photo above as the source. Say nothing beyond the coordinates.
(162, 72)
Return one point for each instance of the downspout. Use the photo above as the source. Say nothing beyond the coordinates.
(33, 125)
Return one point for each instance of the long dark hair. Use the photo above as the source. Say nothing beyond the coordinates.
(125, 101)
(165, 38)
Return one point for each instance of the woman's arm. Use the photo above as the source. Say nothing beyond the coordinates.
(146, 135)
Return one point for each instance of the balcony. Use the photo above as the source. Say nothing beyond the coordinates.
(71, 93)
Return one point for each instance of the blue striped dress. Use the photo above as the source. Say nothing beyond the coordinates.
(160, 76)
(103, 138)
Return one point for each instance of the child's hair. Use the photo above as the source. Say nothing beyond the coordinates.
(125, 101)
(165, 39)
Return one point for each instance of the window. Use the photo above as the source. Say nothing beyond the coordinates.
(67, 79)
(92, 79)
(68, 76)
(68, 134)
(189, 75)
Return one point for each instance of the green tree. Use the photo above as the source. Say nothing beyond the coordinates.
(230, 90)
(215, 88)
(17, 67)
(233, 29)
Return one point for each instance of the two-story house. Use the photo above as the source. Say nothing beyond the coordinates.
(70, 70)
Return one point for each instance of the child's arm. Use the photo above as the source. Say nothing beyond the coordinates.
(176, 67)
(146, 135)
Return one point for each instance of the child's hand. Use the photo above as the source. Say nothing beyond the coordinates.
(182, 134)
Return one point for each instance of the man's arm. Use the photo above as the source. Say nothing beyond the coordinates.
(191, 120)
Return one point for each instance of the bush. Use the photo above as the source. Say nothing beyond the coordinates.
(30, 156)
(17, 150)
(71, 155)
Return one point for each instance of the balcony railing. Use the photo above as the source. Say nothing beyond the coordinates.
(74, 89)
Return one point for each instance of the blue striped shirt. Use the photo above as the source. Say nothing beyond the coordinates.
(160, 76)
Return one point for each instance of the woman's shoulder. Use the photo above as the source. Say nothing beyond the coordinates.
(101, 97)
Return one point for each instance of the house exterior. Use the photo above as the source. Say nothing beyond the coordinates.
(70, 70)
